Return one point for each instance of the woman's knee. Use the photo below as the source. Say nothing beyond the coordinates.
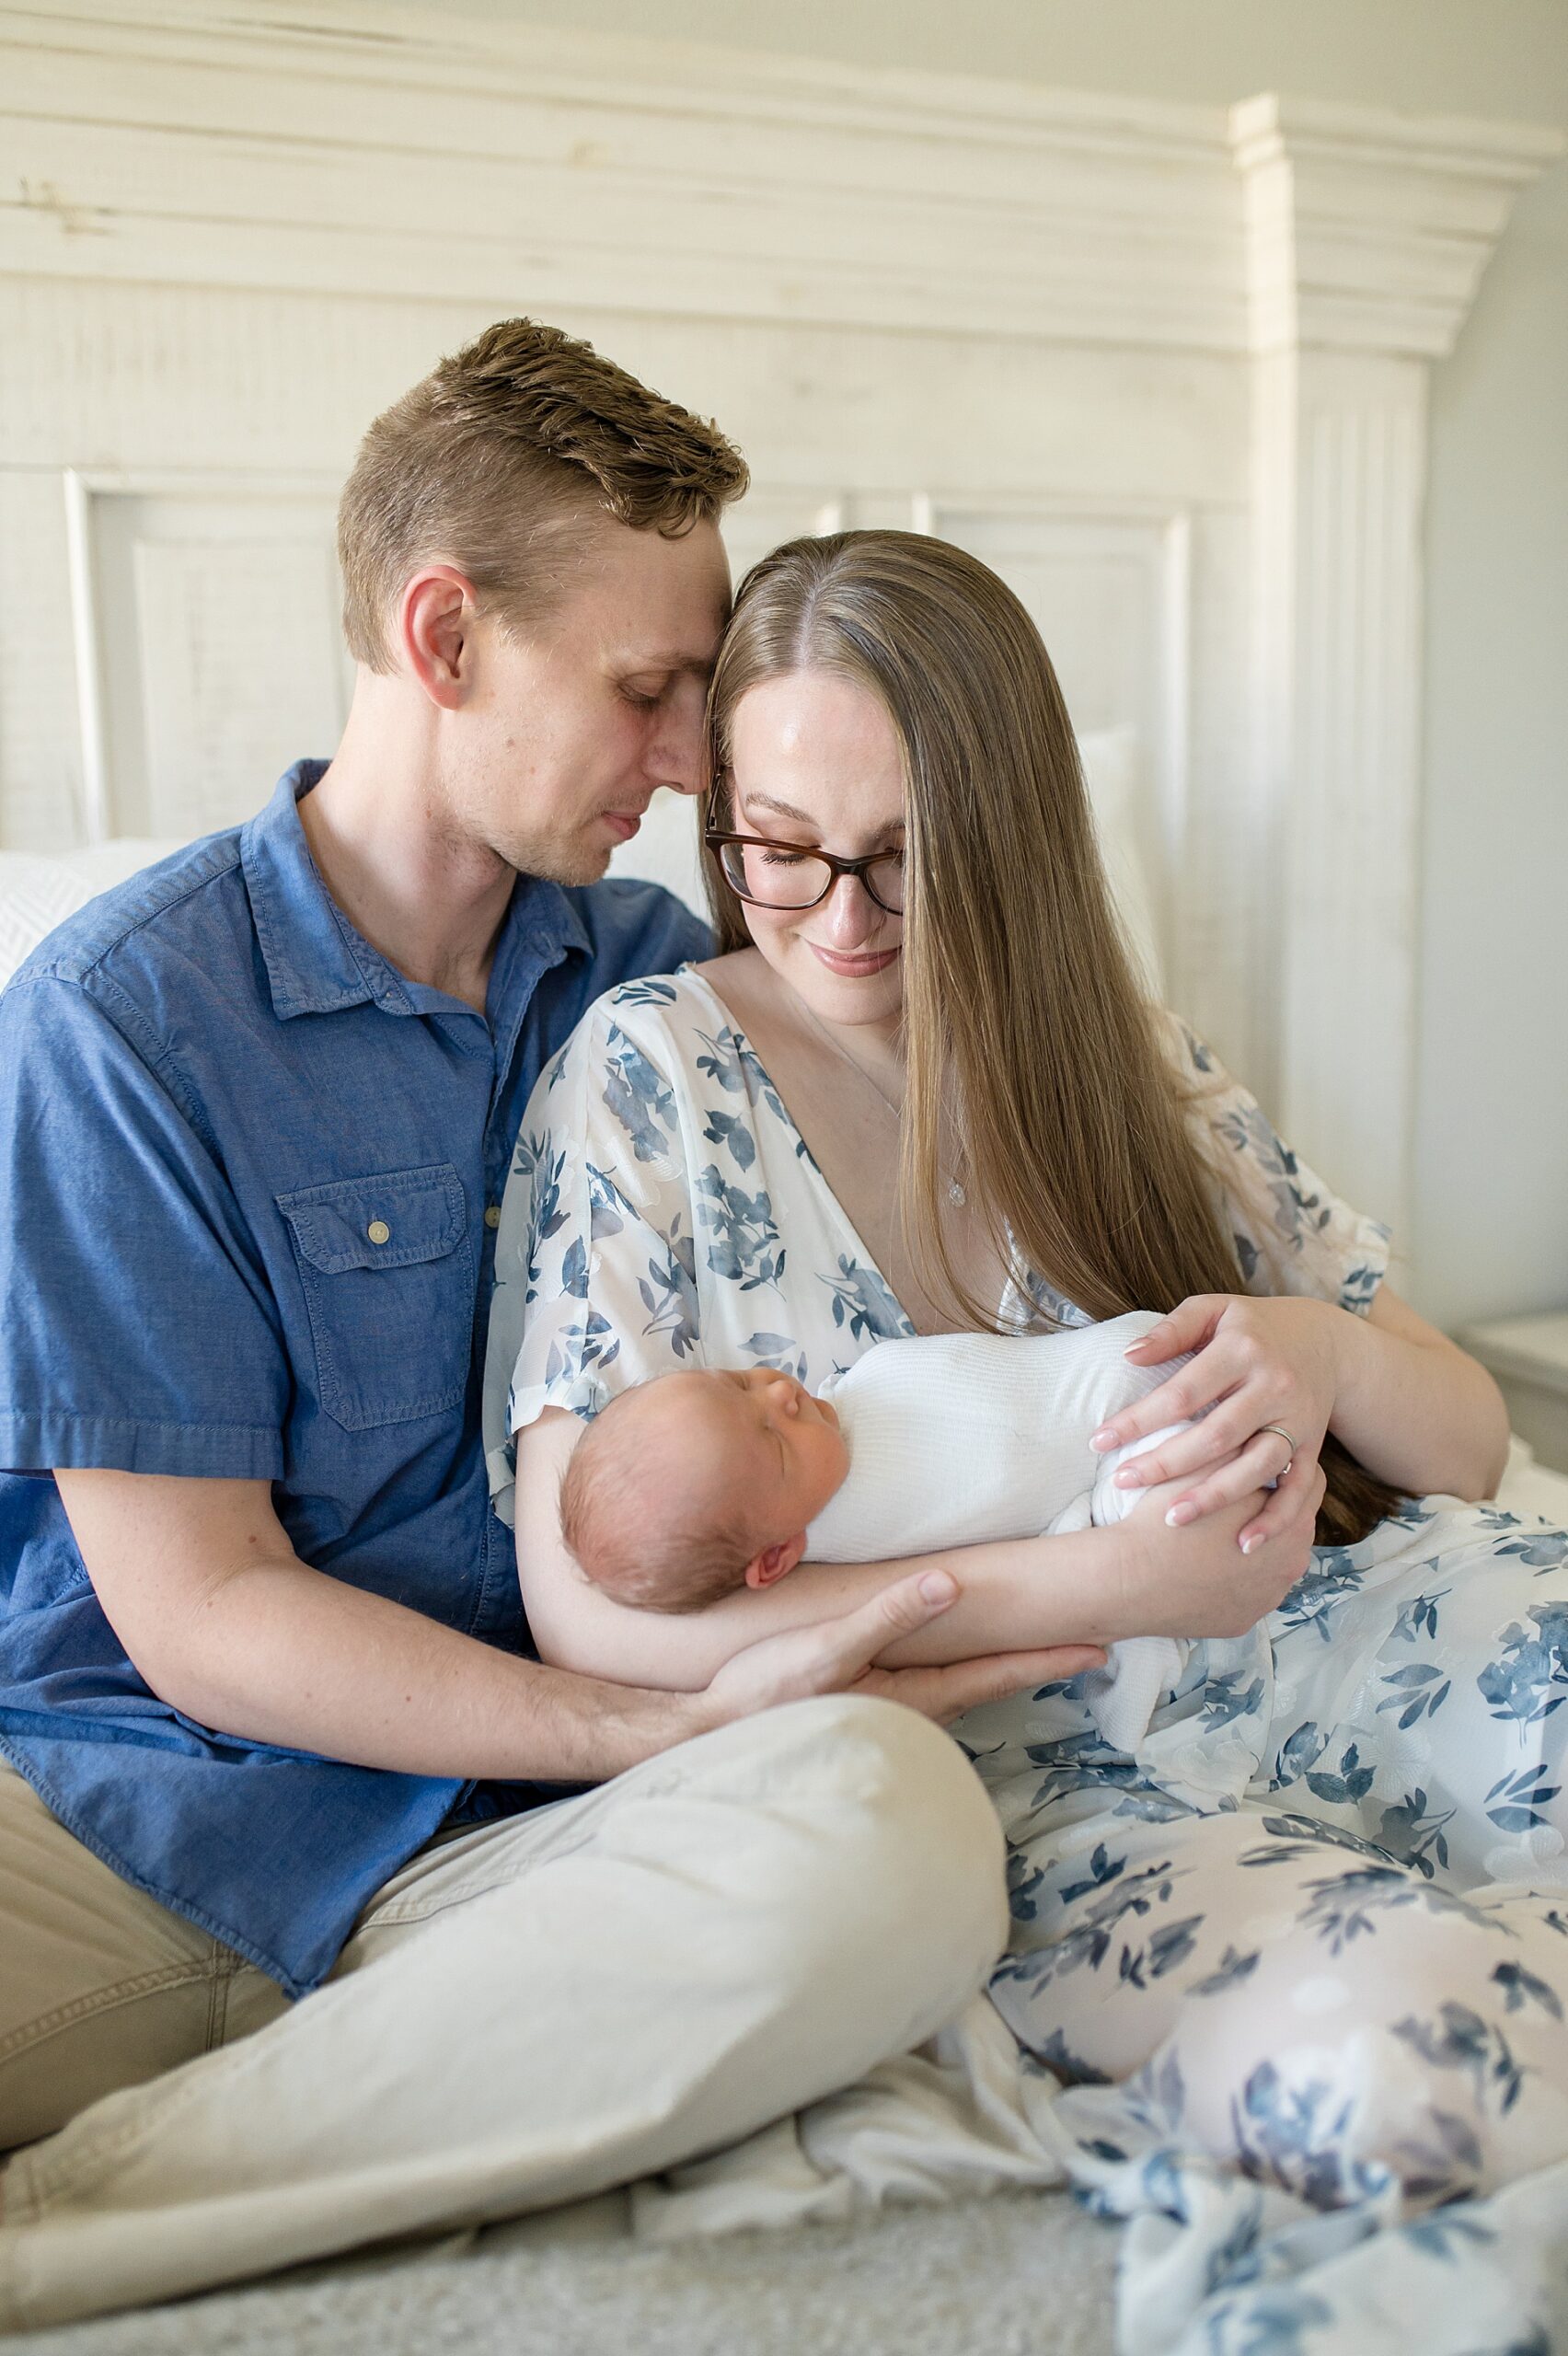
(1408, 2048)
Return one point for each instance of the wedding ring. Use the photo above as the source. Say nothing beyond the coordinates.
(1289, 1440)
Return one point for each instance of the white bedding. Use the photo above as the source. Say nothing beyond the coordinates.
(960, 2118)
(37, 893)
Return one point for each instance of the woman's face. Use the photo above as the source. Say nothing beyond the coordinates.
(816, 762)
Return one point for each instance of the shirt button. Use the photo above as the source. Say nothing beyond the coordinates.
(378, 1232)
(492, 1214)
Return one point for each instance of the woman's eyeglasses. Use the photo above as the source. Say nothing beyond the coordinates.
(786, 875)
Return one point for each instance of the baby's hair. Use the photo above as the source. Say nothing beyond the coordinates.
(667, 1561)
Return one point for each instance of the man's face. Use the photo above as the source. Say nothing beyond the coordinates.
(574, 724)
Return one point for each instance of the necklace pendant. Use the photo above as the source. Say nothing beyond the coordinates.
(956, 1194)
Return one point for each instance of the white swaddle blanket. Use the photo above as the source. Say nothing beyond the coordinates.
(955, 1438)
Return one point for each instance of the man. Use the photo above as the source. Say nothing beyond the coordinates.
(265, 1694)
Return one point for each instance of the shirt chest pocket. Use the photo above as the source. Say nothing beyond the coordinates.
(387, 1270)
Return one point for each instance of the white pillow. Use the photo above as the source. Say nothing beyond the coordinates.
(101, 865)
(37, 893)
(665, 849)
(35, 896)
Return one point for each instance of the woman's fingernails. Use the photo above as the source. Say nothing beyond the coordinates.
(1249, 1545)
(1180, 1516)
(1105, 1438)
(1127, 1478)
(939, 1587)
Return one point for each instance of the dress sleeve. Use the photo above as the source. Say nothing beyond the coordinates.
(595, 1263)
(1291, 1232)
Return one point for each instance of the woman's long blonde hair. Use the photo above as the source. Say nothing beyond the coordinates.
(1023, 1018)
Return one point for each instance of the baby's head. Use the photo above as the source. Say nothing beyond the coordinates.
(686, 1488)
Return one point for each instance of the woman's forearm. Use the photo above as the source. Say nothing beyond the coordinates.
(1014, 1595)
(1417, 1410)
(1012, 1599)
(1094, 1587)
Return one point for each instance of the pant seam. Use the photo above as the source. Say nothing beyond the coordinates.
(220, 1983)
(121, 1991)
(407, 1910)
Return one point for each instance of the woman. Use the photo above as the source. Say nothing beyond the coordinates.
(918, 1090)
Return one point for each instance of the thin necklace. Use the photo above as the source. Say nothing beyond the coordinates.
(955, 1193)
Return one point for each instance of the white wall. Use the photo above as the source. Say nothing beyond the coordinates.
(1493, 1073)
(1490, 1224)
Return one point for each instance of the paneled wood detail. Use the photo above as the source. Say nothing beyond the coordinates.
(1345, 592)
(208, 651)
(1366, 243)
(1369, 231)
(1164, 365)
(316, 147)
(1110, 596)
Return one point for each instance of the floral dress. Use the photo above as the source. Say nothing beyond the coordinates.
(1307, 1987)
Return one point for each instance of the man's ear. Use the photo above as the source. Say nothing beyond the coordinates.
(774, 1560)
(436, 619)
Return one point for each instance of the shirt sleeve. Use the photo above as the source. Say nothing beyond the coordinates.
(140, 1332)
(1291, 1232)
(595, 1259)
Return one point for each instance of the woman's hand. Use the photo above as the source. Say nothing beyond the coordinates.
(839, 1657)
(1183, 1578)
(1257, 1363)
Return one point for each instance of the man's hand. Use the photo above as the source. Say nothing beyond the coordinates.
(840, 1656)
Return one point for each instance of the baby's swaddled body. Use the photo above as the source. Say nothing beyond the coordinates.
(684, 1490)
(958, 1438)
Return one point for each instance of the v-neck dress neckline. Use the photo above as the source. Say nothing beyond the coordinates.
(1014, 1309)
(694, 978)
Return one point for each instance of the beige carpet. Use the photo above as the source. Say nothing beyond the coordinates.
(1014, 2275)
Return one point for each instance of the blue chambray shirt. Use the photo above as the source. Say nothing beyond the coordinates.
(244, 1168)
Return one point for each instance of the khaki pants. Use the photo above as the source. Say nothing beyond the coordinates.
(525, 2014)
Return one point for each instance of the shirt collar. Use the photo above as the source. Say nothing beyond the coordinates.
(317, 964)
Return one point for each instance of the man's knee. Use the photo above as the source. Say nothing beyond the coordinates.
(901, 1874)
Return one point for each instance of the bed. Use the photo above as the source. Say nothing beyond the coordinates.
(681, 2266)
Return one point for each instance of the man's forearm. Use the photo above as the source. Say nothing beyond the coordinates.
(282, 1654)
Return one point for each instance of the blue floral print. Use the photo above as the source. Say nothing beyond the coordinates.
(1526, 1682)
(635, 1094)
(1292, 1983)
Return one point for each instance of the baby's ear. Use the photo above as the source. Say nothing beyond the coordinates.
(774, 1560)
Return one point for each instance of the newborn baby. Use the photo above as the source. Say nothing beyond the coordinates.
(688, 1487)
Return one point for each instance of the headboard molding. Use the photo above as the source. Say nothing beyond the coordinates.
(1167, 364)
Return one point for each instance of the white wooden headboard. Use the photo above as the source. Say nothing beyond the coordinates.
(1164, 366)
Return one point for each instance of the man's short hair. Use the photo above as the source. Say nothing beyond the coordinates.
(495, 462)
